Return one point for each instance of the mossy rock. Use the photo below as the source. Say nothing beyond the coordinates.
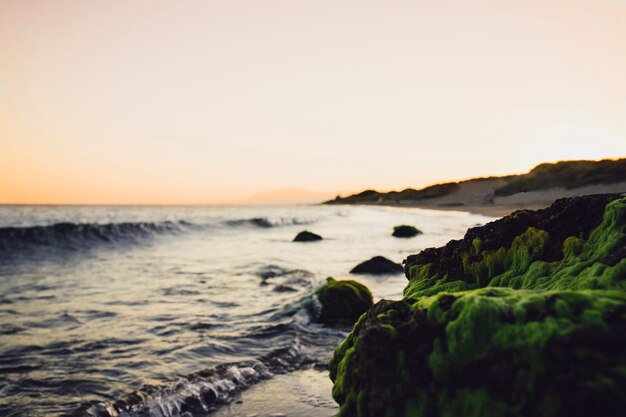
(306, 236)
(486, 353)
(343, 300)
(525, 316)
(405, 231)
(378, 265)
(577, 243)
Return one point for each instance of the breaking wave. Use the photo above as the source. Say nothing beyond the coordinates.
(203, 392)
(76, 235)
(270, 222)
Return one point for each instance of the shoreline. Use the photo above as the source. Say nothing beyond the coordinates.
(475, 199)
(495, 211)
(479, 197)
(301, 393)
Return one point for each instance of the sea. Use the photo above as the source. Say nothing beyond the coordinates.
(181, 307)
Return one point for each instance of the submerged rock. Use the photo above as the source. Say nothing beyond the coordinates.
(525, 316)
(306, 236)
(284, 288)
(378, 265)
(405, 231)
(343, 300)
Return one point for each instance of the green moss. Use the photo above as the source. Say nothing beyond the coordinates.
(476, 245)
(511, 335)
(572, 246)
(513, 261)
(486, 352)
(506, 319)
(343, 300)
(519, 266)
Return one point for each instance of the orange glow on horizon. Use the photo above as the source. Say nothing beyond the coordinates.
(210, 102)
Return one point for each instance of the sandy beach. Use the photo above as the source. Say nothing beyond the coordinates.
(478, 198)
(303, 393)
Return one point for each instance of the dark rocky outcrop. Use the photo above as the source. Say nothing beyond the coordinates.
(343, 300)
(306, 236)
(405, 231)
(378, 265)
(525, 316)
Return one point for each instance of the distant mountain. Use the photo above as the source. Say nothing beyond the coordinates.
(289, 196)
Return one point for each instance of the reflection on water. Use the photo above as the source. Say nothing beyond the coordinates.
(96, 302)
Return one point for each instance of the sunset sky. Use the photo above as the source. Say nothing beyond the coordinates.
(212, 101)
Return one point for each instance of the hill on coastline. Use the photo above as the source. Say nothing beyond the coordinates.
(501, 195)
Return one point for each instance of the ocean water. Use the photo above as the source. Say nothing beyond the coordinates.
(186, 305)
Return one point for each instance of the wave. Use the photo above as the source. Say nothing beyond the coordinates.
(194, 394)
(76, 235)
(203, 392)
(267, 222)
(198, 393)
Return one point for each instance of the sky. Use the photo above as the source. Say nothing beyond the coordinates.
(209, 102)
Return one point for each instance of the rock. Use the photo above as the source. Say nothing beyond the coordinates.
(378, 265)
(306, 236)
(525, 316)
(284, 288)
(344, 300)
(405, 231)
(500, 253)
(488, 352)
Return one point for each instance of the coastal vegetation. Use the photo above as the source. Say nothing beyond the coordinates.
(372, 196)
(566, 175)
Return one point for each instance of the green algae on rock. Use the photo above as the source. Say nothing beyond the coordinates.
(306, 236)
(405, 231)
(343, 300)
(487, 352)
(525, 316)
(566, 246)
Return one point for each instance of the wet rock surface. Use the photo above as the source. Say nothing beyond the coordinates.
(306, 236)
(343, 300)
(378, 265)
(405, 231)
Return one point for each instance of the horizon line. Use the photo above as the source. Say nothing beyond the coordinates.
(242, 201)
